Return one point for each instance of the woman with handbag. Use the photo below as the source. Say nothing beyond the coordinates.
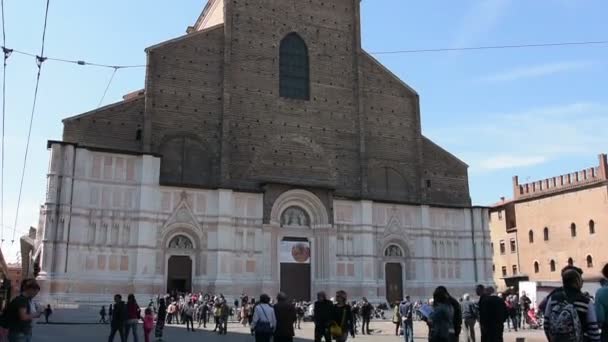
(342, 323)
(264, 321)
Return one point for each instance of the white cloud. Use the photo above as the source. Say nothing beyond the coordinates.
(480, 19)
(537, 71)
(510, 161)
(527, 137)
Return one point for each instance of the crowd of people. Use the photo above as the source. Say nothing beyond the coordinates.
(568, 314)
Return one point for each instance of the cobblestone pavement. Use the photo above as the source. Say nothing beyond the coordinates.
(384, 332)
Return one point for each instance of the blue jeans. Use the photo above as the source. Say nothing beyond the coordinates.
(131, 324)
(19, 337)
(408, 330)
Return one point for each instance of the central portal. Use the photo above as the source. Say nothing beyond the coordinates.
(295, 268)
(179, 275)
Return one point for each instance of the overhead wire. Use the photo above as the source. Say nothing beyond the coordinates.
(107, 87)
(39, 62)
(6, 54)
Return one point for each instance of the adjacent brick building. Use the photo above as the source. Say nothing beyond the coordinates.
(265, 119)
(551, 223)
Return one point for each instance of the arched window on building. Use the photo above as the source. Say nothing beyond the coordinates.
(589, 261)
(531, 236)
(536, 267)
(546, 233)
(570, 262)
(572, 229)
(552, 265)
(591, 227)
(294, 71)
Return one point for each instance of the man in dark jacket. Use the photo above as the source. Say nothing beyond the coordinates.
(457, 312)
(366, 316)
(286, 315)
(492, 315)
(323, 314)
(119, 318)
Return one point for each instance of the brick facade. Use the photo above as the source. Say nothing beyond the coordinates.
(212, 109)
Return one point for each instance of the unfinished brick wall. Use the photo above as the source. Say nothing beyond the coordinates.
(445, 178)
(115, 126)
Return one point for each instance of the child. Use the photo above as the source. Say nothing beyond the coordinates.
(148, 324)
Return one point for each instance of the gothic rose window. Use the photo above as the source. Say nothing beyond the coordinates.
(393, 251)
(295, 216)
(181, 242)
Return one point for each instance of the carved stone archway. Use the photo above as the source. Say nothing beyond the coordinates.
(306, 201)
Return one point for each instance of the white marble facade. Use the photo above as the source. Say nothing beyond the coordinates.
(112, 228)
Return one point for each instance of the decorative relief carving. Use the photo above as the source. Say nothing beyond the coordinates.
(181, 242)
(393, 251)
(295, 216)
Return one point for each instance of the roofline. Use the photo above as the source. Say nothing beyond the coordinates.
(444, 150)
(200, 18)
(188, 35)
(112, 105)
(101, 149)
(377, 62)
(554, 193)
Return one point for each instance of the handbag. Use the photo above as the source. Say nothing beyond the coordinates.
(263, 327)
(336, 330)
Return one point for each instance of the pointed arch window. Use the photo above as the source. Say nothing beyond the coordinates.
(552, 265)
(591, 227)
(294, 68)
(536, 267)
(531, 236)
(546, 234)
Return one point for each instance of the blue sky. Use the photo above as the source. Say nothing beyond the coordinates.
(531, 112)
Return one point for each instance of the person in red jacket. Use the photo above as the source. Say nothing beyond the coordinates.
(133, 317)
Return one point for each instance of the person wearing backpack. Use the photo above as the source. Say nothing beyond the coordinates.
(569, 314)
(20, 313)
(601, 304)
(264, 320)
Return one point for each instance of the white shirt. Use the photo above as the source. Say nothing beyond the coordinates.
(264, 313)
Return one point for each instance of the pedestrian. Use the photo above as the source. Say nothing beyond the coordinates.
(102, 315)
(21, 312)
(601, 304)
(469, 316)
(170, 312)
(457, 313)
(512, 304)
(133, 317)
(366, 315)
(492, 315)
(110, 312)
(323, 314)
(524, 303)
(286, 315)
(406, 309)
(441, 320)
(148, 324)
(396, 318)
(264, 320)
(160, 319)
(569, 314)
(224, 314)
(118, 319)
(217, 314)
(188, 315)
(342, 321)
(47, 313)
(300, 312)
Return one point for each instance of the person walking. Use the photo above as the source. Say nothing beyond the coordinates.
(569, 314)
(170, 312)
(342, 318)
(300, 312)
(601, 304)
(323, 313)
(148, 323)
(133, 317)
(406, 309)
(20, 313)
(469, 316)
(264, 320)
(492, 315)
(396, 318)
(47, 313)
(188, 316)
(286, 315)
(102, 315)
(118, 319)
(110, 311)
(525, 303)
(160, 319)
(441, 320)
(366, 315)
(224, 315)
